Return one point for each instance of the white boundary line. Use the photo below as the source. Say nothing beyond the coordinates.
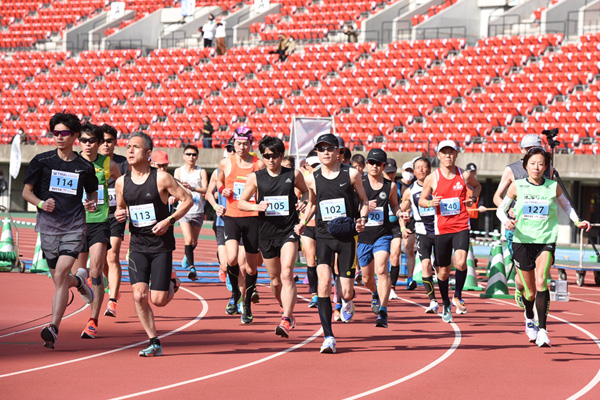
(44, 324)
(192, 322)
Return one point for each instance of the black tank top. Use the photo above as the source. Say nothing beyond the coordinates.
(146, 208)
(378, 224)
(112, 197)
(335, 198)
(281, 216)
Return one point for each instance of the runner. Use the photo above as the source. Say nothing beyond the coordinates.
(160, 160)
(308, 238)
(449, 188)
(375, 241)
(98, 227)
(194, 179)
(389, 173)
(112, 267)
(424, 227)
(333, 186)
(536, 231)
(142, 194)
(511, 173)
(233, 173)
(276, 203)
(358, 162)
(408, 236)
(54, 183)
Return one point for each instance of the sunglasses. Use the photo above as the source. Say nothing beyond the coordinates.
(61, 133)
(330, 149)
(165, 166)
(375, 163)
(109, 141)
(270, 156)
(88, 140)
(191, 154)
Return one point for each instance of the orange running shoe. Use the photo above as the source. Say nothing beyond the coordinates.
(111, 309)
(284, 328)
(222, 276)
(90, 330)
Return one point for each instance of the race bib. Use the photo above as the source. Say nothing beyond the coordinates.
(375, 217)
(279, 206)
(196, 198)
(142, 215)
(332, 209)
(112, 197)
(100, 195)
(535, 209)
(238, 188)
(450, 206)
(427, 212)
(64, 182)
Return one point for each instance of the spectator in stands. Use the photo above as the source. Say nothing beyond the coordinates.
(291, 47)
(220, 37)
(352, 34)
(208, 31)
(285, 47)
(207, 132)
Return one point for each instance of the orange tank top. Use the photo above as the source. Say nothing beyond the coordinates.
(236, 180)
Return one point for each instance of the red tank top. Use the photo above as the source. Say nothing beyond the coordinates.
(236, 180)
(451, 215)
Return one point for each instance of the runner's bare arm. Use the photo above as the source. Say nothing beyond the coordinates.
(115, 172)
(30, 197)
(428, 189)
(505, 181)
(356, 180)
(504, 206)
(224, 166)
(249, 191)
(166, 182)
(204, 180)
(121, 211)
(472, 181)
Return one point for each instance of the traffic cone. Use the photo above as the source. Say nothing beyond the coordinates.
(486, 271)
(471, 281)
(418, 271)
(7, 247)
(508, 265)
(39, 265)
(496, 285)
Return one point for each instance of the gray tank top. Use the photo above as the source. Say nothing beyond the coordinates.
(520, 173)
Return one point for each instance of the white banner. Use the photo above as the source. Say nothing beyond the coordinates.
(305, 132)
(117, 10)
(188, 7)
(261, 5)
(15, 157)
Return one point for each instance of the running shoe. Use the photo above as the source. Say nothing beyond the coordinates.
(90, 330)
(111, 309)
(382, 320)
(175, 280)
(228, 283)
(314, 301)
(410, 284)
(222, 276)
(393, 295)
(531, 330)
(447, 314)
(562, 274)
(240, 306)
(358, 278)
(375, 304)
(347, 311)
(152, 350)
(336, 315)
(84, 288)
(461, 308)
(285, 326)
(232, 305)
(542, 339)
(247, 317)
(433, 307)
(49, 336)
(328, 345)
(184, 263)
(519, 299)
(255, 297)
(192, 275)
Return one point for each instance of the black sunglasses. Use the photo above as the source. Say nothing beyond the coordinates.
(270, 156)
(191, 154)
(61, 133)
(330, 149)
(109, 141)
(88, 140)
(375, 163)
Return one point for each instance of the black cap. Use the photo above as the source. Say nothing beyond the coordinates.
(377, 155)
(230, 143)
(391, 166)
(341, 143)
(471, 167)
(328, 138)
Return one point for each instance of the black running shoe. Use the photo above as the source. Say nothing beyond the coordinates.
(247, 315)
(232, 305)
(255, 297)
(381, 320)
(49, 336)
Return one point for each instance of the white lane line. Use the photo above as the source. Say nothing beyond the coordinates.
(585, 301)
(443, 357)
(572, 313)
(44, 324)
(227, 371)
(192, 322)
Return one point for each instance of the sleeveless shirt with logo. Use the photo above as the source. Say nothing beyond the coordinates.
(451, 215)
(236, 180)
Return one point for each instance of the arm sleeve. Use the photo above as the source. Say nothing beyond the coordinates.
(91, 182)
(566, 206)
(502, 212)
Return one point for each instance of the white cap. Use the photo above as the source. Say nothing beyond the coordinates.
(530, 140)
(446, 143)
(313, 160)
(407, 165)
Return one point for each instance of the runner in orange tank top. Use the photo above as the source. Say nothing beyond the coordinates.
(239, 225)
(449, 188)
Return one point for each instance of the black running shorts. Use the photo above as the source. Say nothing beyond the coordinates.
(155, 267)
(245, 228)
(309, 232)
(117, 229)
(396, 233)
(98, 232)
(444, 244)
(271, 248)
(425, 245)
(525, 254)
(345, 248)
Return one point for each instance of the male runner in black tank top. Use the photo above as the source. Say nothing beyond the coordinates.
(333, 188)
(142, 194)
(276, 203)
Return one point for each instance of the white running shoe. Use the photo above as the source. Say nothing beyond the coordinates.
(347, 311)
(542, 339)
(393, 295)
(531, 330)
(328, 345)
(84, 288)
(433, 307)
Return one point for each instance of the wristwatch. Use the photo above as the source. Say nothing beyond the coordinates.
(171, 220)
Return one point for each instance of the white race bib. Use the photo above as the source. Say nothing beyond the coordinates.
(279, 206)
(100, 195)
(112, 197)
(238, 188)
(375, 217)
(332, 209)
(535, 209)
(196, 198)
(426, 212)
(450, 206)
(142, 215)
(64, 182)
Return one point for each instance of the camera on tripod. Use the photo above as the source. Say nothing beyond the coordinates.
(550, 135)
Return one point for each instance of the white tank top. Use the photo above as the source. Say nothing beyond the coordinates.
(194, 179)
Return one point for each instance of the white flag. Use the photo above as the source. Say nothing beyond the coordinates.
(305, 132)
(15, 157)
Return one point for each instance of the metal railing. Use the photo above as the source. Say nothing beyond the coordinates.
(443, 32)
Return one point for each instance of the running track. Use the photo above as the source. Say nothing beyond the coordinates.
(211, 355)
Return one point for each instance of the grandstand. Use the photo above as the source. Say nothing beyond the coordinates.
(531, 65)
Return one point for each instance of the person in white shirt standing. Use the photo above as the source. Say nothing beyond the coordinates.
(208, 31)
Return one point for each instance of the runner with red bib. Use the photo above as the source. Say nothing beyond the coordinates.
(449, 187)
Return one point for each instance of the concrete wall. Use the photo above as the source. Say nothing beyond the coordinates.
(96, 35)
(190, 28)
(380, 27)
(76, 38)
(589, 16)
(524, 11)
(404, 20)
(560, 13)
(464, 13)
(241, 31)
(144, 33)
